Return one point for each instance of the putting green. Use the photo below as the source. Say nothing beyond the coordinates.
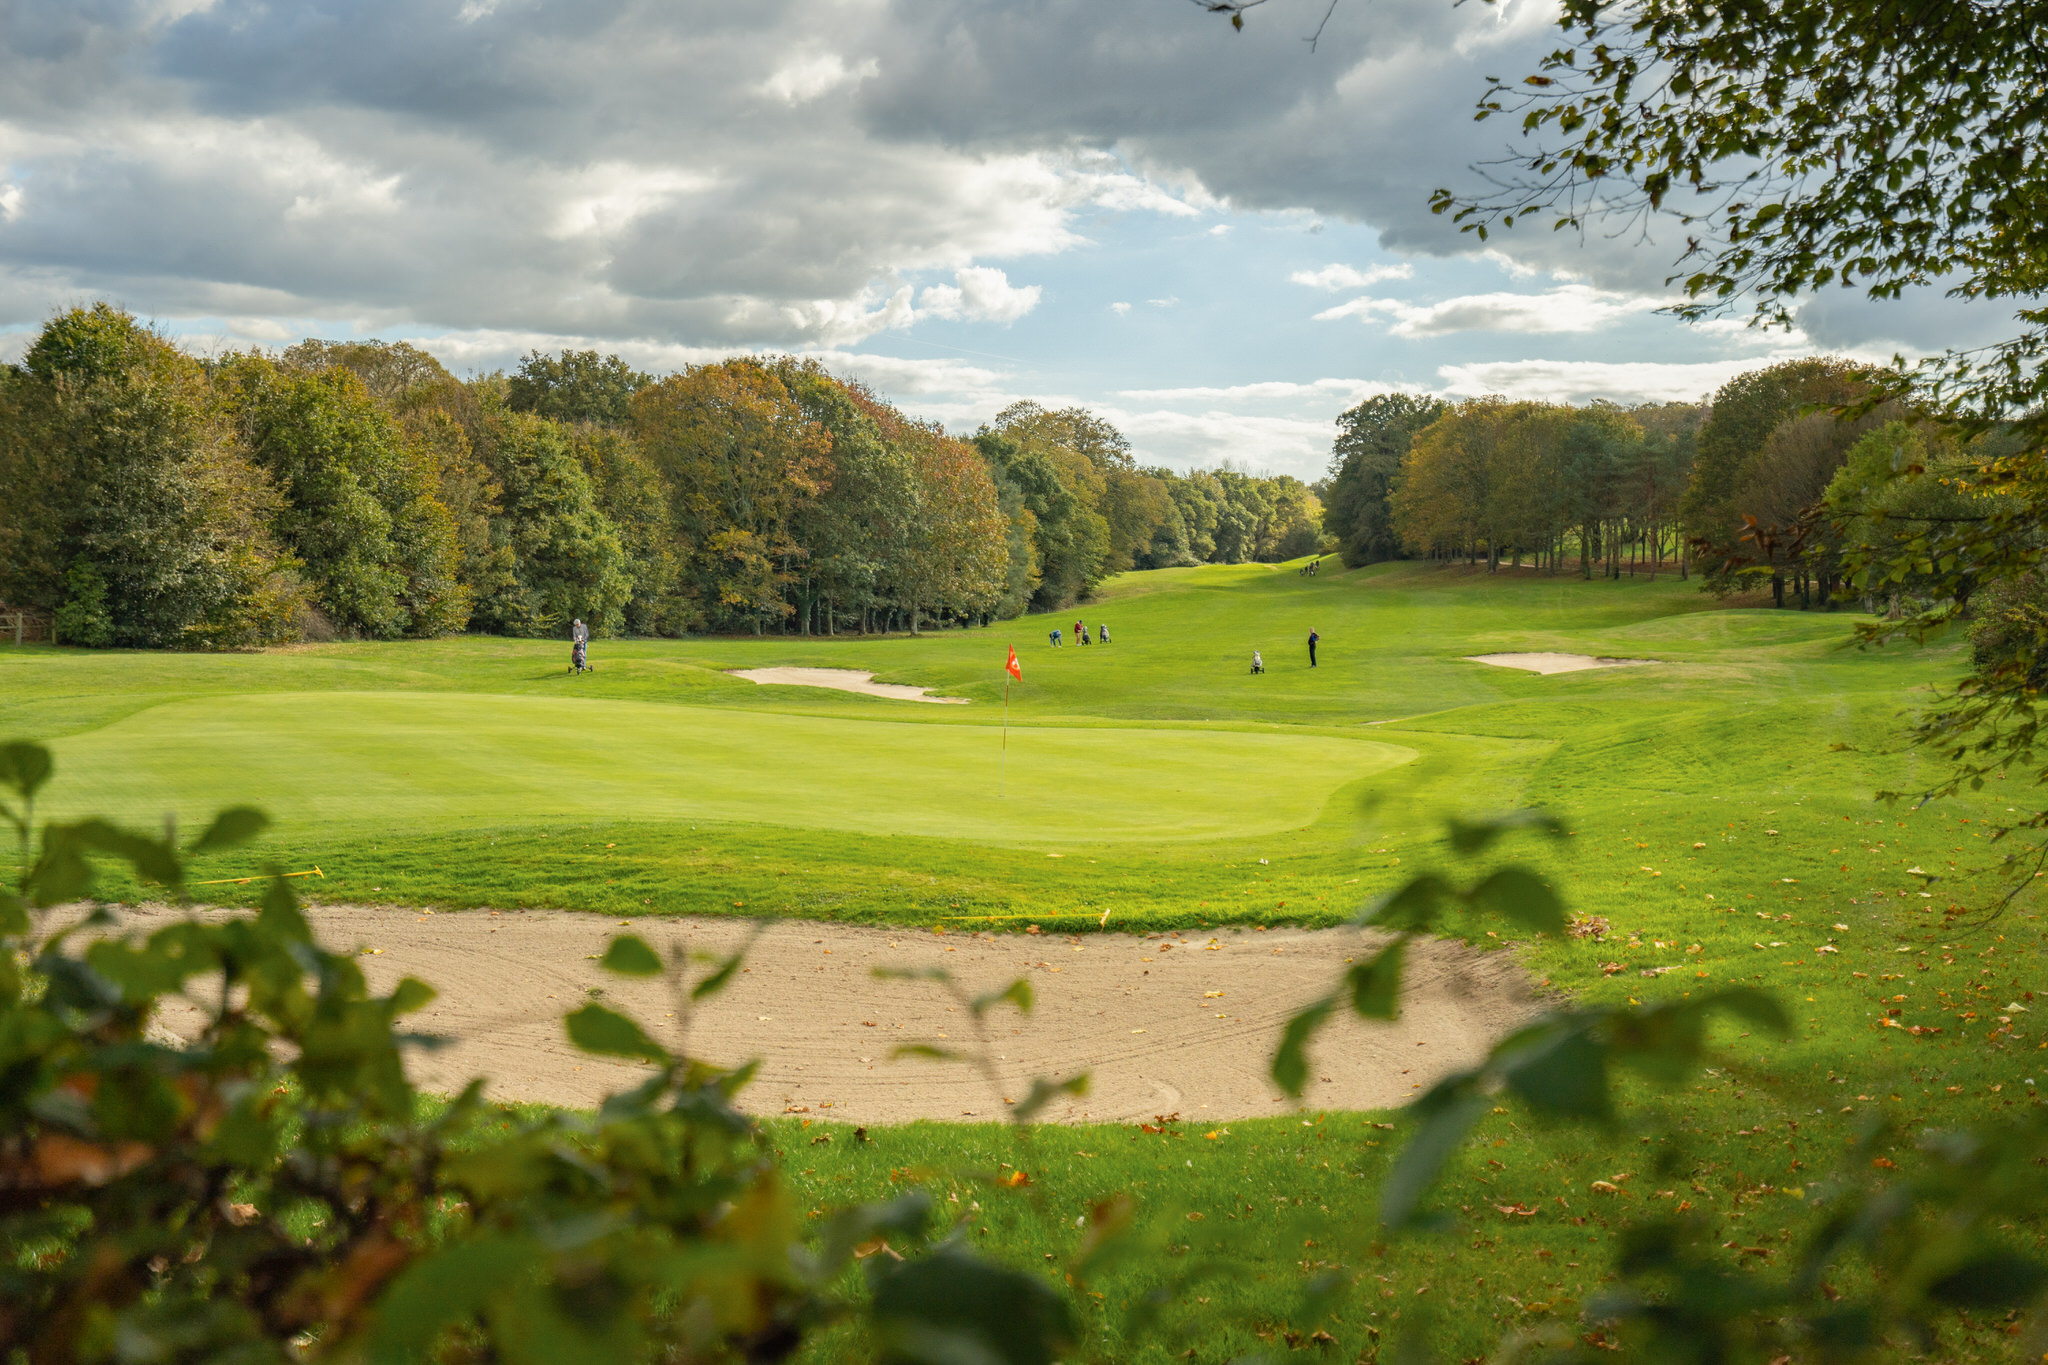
(417, 761)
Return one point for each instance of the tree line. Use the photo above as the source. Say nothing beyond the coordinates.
(1785, 477)
(359, 490)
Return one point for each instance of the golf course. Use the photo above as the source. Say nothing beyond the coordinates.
(1720, 798)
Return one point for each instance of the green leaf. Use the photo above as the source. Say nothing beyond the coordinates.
(1559, 1070)
(411, 994)
(1411, 907)
(953, 1308)
(230, 829)
(1044, 1092)
(1018, 993)
(1290, 1060)
(1992, 1279)
(1518, 894)
(718, 980)
(629, 955)
(608, 1033)
(445, 1288)
(1376, 982)
(1448, 1112)
(1473, 837)
(24, 767)
(925, 1050)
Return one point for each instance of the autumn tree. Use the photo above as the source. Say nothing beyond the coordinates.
(740, 460)
(131, 511)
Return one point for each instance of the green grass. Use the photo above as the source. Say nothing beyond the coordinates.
(1722, 804)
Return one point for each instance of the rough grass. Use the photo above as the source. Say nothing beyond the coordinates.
(1724, 828)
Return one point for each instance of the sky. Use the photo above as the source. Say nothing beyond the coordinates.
(1218, 240)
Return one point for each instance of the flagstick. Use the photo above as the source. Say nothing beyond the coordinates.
(1003, 776)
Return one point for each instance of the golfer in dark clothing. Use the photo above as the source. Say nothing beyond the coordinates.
(1312, 638)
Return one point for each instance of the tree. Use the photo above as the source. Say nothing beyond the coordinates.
(360, 509)
(576, 386)
(630, 494)
(740, 459)
(131, 511)
(566, 558)
(958, 548)
(1371, 440)
(1744, 413)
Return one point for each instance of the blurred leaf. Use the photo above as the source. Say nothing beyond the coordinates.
(24, 768)
(230, 829)
(850, 1228)
(280, 914)
(1447, 1112)
(1469, 838)
(629, 955)
(13, 914)
(1559, 1070)
(1519, 895)
(1411, 907)
(443, 1289)
(1992, 1279)
(720, 979)
(926, 1050)
(1290, 1062)
(597, 1029)
(913, 974)
(411, 994)
(1018, 993)
(1376, 982)
(1043, 1092)
(953, 1308)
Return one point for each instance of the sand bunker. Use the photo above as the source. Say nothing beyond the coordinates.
(1554, 663)
(1188, 1027)
(843, 680)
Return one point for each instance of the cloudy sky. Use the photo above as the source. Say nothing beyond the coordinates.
(1219, 240)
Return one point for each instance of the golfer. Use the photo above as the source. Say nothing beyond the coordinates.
(1258, 664)
(579, 645)
(1312, 638)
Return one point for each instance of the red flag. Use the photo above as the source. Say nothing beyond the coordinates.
(1015, 669)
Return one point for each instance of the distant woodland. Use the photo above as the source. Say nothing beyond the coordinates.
(359, 490)
(1768, 485)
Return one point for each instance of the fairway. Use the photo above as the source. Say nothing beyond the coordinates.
(1724, 831)
(322, 761)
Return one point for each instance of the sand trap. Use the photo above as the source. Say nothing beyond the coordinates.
(843, 680)
(1554, 663)
(1187, 1028)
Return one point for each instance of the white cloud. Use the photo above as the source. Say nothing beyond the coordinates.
(10, 202)
(1572, 308)
(1119, 308)
(979, 294)
(1350, 277)
(1581, 381)
(1346, 391)
(809, 78)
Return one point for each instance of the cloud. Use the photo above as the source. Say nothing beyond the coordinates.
(1572, 308)
(1582, 381)
(1350, 277)
(1346, 391)
(979, 294)
(808, 78)
(1119, 308)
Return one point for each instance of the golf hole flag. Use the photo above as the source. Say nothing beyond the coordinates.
(1016, 672)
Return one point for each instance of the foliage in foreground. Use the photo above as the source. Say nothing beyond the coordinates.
(276, 1189)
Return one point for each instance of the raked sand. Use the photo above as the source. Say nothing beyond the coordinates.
(843, 680)
(1554, 663)
(1165, 1024)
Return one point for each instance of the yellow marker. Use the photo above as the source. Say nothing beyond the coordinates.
(244, 881)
